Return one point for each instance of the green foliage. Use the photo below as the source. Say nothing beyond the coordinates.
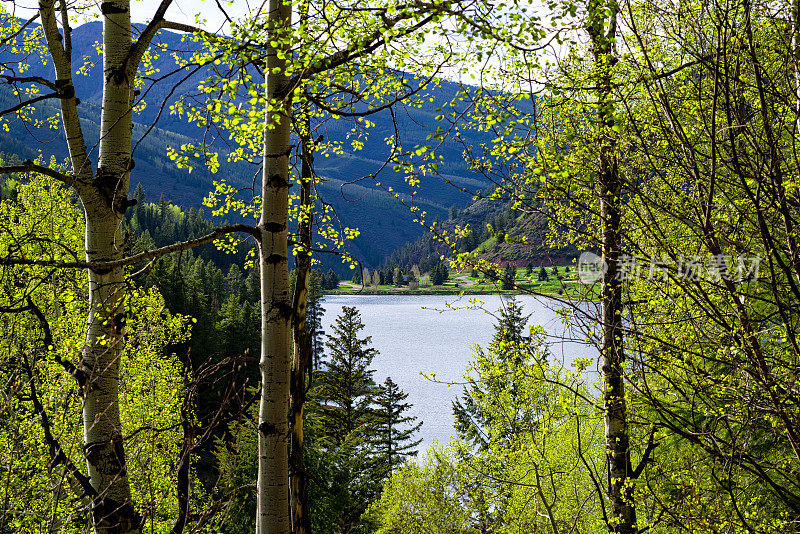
(39, 491)
(699, 119)
(518, 464)
(345, 385)
(426, 497)
(393, 433)
(226, 314)
(357, 431)
(509, 276)
(237, 463)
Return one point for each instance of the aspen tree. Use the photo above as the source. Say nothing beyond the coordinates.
(104, 196)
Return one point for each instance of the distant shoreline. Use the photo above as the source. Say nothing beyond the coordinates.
(463, 290)
(425, 291)
(557, 282)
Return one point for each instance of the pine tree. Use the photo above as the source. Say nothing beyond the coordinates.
(343, 400)
(509, 274)
(439, 274)
(393, 439)
(452, 213)
(346, 386)
(314, 313)
(510, 329)
(436, 276)
(510, 355)
(330, 280)
(543, 276)
(139, 195)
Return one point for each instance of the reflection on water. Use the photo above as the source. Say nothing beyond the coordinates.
(418, 334)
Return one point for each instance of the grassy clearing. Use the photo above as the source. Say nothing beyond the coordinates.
(560, 283)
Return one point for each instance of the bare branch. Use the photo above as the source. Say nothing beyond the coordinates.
(29, 166)
(144, 40)
(187, 28)
(26, 103)
(58, 456)
(29, 79)
(136, 258)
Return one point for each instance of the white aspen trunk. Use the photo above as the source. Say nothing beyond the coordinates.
(104, 198)
(113, 509)
(60, 51)
(795, 29)
(602, 30)
(273, 508)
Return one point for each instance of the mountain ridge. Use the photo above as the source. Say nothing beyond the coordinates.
(383, 222)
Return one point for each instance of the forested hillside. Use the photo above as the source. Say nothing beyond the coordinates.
(168, 368)
(347, 182)
(497, 233)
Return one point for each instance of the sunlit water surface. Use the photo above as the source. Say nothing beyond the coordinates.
(420, 335)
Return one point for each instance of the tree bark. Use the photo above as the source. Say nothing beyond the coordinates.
(113, 510)
(273, 509)
(602, 23)
(303, 353)
(301, 364)
(795, 29)
(104, 198)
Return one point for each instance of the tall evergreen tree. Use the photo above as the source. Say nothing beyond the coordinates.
(436, 276)
(314, 313)
(512, 352)
(393, 439)
(344, 395)
(509, 274)
(346, 387)
(439, 274)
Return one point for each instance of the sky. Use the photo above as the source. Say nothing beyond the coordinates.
(213, 20)
(183, 11)
(186, 10)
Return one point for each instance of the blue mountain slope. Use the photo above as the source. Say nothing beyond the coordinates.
(383, 222)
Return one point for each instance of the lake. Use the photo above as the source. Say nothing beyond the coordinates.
(418, 334)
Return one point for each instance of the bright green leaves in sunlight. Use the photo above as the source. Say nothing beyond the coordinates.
(41, 219)
(516, 463)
